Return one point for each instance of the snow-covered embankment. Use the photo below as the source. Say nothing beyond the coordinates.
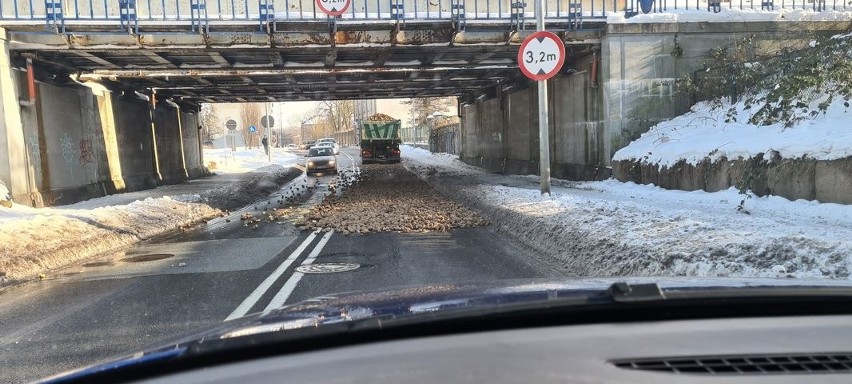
(611, 228)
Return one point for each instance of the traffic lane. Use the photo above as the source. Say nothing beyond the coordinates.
(107, 306)
(66, 323)
(300, 191)
(388, 260)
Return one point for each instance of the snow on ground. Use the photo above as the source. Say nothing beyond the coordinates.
(609, 228)
(703, 133)
(245, 160)
(34, 240)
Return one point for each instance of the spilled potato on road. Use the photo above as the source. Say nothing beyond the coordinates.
(388, 198)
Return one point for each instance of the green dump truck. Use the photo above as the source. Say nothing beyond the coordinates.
(380, 139)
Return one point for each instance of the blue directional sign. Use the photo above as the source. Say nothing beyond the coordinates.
(252, 129)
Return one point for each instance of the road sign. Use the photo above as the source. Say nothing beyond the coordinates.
(333, 7)
(541, 55)
(267, 121)
(252, 129)
(231, 125)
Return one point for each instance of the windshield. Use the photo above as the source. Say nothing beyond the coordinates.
(163, 171)
(320, 151)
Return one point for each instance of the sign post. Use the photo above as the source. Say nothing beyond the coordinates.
(232, 126)
(540, 57)
(268, 122)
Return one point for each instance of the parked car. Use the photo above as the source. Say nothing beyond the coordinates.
(320, 159)
(291, 147)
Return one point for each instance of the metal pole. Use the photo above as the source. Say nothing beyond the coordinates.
(543, 135)
(266, 132)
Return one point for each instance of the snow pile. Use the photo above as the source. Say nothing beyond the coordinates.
(40, 239)
(671, 15)
(704, 133)
(34, 240)
(249, 187)
(245, 160)
(447, 164)
(610, 228)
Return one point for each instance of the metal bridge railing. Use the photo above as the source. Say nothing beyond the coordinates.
(269, 10)
(515, 12)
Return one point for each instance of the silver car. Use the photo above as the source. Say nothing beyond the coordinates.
(330, 142)
(321, 159)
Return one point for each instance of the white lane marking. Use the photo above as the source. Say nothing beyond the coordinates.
(285, 292)
(252, 298)
(352, 161)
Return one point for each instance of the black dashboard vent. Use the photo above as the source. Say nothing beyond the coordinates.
(744, 364)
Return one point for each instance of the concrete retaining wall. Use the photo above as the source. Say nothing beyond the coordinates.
(639, 70)
(825, 181)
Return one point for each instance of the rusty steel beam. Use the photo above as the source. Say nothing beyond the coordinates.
(277, 59)
(219, 59)
(382, 58)
(135, 73)
(432, 58)
(330, 57)
(155, 57)
(95, 59)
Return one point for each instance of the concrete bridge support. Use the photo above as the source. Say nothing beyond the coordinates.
(77, 142)
(501, 133)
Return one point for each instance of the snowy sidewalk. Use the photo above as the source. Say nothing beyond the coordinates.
(611, 228)
(34, 240)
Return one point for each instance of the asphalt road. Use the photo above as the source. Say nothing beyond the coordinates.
(179, 283)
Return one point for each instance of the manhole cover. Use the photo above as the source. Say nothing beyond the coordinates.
(151, 257)
(98, 264)
(328, 268)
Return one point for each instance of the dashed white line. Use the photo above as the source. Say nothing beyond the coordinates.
(252, 298)
(285, 292)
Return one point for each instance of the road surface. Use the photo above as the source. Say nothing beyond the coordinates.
(187, 280)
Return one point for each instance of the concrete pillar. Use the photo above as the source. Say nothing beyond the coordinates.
(14, 167)
(111, 175)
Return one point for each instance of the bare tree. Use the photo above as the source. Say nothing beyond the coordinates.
(210, 122)
(249, 115)
(339, 114)
(330, 117)
(421, 108)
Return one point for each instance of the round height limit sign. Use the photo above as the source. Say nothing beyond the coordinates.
(333, 7)
(541, 55)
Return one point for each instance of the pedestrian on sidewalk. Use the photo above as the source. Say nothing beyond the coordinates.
(265, 143)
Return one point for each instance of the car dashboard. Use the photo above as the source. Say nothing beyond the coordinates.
(794, 349)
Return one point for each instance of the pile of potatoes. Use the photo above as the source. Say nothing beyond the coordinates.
(388, 198)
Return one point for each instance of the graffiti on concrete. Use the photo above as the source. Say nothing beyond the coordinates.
(87, 155)
(69, 151)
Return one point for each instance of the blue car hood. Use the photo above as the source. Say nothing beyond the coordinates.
(416, 301)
